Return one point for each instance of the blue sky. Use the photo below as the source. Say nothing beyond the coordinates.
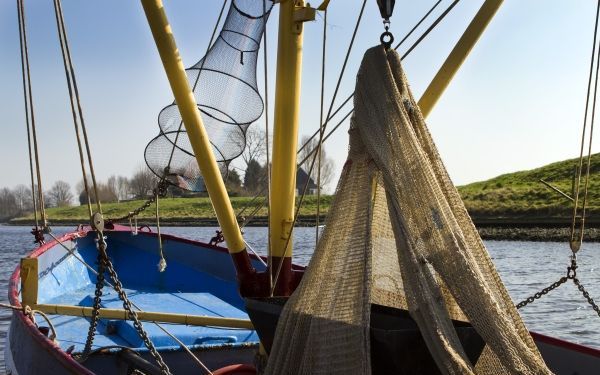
(517, 103)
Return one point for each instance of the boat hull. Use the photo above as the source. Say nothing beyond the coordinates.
(29, 351)
(395, 342)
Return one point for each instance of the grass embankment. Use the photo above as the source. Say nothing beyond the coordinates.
(180, 211)
(520, 198)
(510, 200)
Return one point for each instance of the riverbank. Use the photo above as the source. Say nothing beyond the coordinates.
(499, 231)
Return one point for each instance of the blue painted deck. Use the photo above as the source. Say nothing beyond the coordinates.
(198, 280)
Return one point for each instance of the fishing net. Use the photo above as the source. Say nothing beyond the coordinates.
(398, 235)
(225, 88)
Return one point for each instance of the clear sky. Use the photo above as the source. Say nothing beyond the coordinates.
(517, 103)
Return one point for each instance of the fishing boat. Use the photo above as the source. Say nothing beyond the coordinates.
(87, 303)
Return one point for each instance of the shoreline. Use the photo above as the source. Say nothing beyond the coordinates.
(500, 230)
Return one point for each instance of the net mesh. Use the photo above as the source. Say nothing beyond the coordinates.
(398, 235)
(225, 88)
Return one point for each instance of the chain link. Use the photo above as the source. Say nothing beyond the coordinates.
(104, 263)
(571, 275)
(542, 293)
(97, 300)
(586, 295)
(137, 324)
(160, 190)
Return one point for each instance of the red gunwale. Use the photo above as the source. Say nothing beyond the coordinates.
(538, 337)
(45, 342)
(81, 231)
(67, 360)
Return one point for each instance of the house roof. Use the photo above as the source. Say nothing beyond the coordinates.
(301, 178)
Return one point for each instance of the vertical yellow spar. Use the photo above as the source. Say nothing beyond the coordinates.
(165, 42)
(285, 142)
(458, 55)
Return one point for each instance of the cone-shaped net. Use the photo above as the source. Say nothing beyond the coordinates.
(398, 235)
(224, 84)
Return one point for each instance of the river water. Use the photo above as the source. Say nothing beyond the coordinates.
(525, 268)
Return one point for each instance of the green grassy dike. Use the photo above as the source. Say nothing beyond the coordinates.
(179, 211)
(511, 200)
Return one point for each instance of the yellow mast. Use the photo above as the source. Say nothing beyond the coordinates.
(184, 97)
(458, 55)
(285, 139)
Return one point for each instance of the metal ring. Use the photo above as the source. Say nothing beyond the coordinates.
(388, 43)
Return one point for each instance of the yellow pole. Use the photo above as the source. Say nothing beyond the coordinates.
(285, 140)
(458, 55)
(190, 320)
(165, 42)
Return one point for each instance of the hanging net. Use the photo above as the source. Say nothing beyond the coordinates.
(398, 236)
(225, 88)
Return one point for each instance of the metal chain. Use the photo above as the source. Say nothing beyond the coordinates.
(97, 300)
(161, 189)
(542, 293)
(133, 315)
(571, 275)
(104, 263)
(586, 295)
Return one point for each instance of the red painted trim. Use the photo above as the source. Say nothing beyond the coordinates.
(538, 337)
(236, 370)
(45, 343)
(82, 231)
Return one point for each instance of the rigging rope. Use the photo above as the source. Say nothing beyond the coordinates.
(26, 310)
(31, 129)
(268, 169)
(246, 220)
(321, 130)
(411, 48)
(324, 125)
(104, 263)
(69, 77)
(576, 236)
(210, 43)
(575, 243)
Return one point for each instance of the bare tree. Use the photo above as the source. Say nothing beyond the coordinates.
(23, 198)
(122, 188)
(142, 182)
(111, 186)
(254, 143)
(60, 194)
(327, 164)
(8, 204)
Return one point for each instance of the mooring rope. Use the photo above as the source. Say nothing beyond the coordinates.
(28, 311)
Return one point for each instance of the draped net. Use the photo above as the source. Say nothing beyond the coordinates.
(398, 235)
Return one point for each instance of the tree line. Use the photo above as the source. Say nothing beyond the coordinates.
(248, 179)
(19, 200)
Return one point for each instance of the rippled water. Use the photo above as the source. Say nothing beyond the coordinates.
(525, 268)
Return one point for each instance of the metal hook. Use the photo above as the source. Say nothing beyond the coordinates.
(387, 39)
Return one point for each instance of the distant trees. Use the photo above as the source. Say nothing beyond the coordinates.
(60, 194)
(327, 165)
(23, 198)
(8, 204)
(142, 182)
(254, 177)
(15, 202)
(233, 182)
